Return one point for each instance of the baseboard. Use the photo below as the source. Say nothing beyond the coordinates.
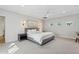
(66, 37)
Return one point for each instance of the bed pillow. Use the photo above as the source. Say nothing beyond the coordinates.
(31, 31)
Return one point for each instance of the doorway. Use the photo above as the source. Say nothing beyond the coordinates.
(2, 29)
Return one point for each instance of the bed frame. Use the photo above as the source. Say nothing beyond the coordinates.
(43, 42)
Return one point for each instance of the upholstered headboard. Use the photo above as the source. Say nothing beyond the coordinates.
(26, 29)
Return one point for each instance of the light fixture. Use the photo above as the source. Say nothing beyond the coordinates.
(23, 23)
(64, 12)
(46, 15)
(22, 5)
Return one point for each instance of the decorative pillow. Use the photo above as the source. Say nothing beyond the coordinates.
(32, 31)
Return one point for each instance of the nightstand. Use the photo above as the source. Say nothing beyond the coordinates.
(22, 37)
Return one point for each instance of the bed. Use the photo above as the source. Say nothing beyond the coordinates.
(40, 38)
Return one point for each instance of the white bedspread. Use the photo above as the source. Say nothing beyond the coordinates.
(39, 36)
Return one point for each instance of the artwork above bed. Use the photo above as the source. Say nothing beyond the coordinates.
(32, 24)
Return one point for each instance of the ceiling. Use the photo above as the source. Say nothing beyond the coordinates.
(39, 11)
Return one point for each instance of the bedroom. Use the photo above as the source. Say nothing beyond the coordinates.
(61, 20)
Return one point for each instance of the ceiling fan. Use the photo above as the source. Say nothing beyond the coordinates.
(46, 15)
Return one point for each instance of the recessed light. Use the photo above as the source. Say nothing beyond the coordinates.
(22, 5)
(64, 12)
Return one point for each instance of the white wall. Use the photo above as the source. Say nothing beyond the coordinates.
(63, 30)
(12, 25)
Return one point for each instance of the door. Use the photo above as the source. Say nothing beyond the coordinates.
(2, 29)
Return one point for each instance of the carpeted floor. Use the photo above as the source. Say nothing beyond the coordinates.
(56, 46)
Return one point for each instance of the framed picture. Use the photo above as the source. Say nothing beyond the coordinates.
(68, 23)
(59, 24)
